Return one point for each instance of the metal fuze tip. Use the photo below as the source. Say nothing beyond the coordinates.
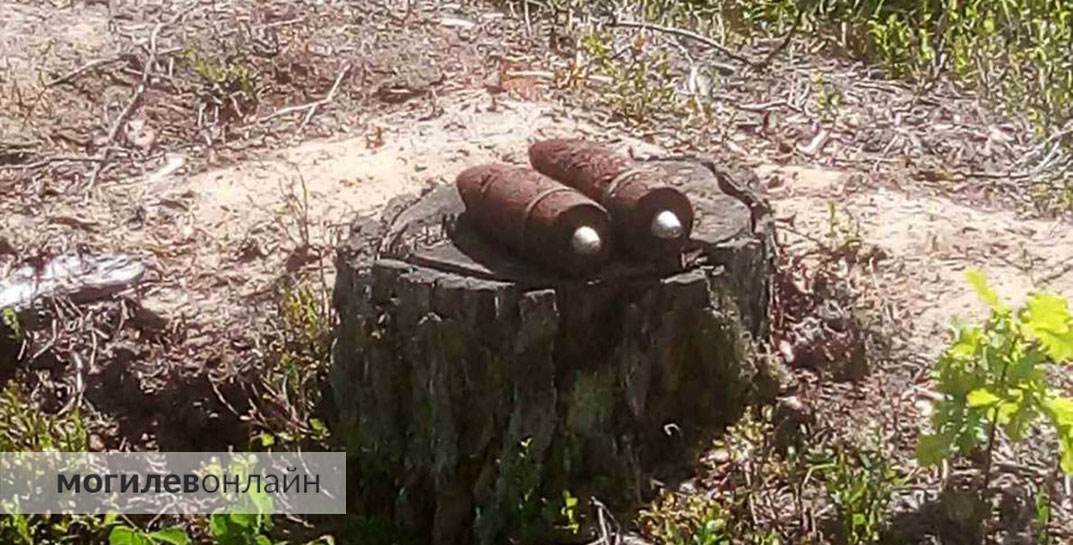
(666, 225)
(586, 241)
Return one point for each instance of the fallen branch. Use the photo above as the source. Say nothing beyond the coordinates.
(311, 107)
(687, 34)
(785, 41)
(98, 63)
(57, 159)
(132, 104)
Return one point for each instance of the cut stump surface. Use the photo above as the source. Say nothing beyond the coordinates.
(475, 391)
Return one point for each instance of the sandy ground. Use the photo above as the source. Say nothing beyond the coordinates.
(928, 242)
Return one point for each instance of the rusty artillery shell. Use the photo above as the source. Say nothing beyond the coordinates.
(536, 217)
(652, 218)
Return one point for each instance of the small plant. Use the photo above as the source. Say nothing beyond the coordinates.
(251, 526)
(750, 468)
(828, 98)
(293, 382)
(24, 428)
(531, 514)
(641, 84)
(860, 482)
(568, 513)
(229, 88)
(42, 529)
(844, 234)
(11, 321)
(686, 520)
(993, 377)
(126, 535)
(1042, 520)
(240, 529)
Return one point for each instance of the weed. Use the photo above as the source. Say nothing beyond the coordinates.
(1042, 504)
(1015, 50)
(23, 428)
(529, 513)
(993, 376)
(859, 482)
(229, 87)
(295, 377)
(751, 471)
(842, 233)
(126, 535)
(686, 520)
(295, 380)
(11, 320)
(828, 98)
(568, 513)
(48, 530)
(641, 85)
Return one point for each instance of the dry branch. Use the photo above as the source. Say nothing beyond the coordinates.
(722, 49)
(132, 104)
(310, 107)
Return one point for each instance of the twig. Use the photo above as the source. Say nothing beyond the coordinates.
(992, 175)
(785, 41)
(57, 159)
(132, 104)
(311, 106)
(327, 99)
(103, 62)
(85, 68)
(686, 34)
(528, 19)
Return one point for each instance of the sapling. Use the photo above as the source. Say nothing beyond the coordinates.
(993, 376)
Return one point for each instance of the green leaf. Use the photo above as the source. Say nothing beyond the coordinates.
(982, 397)
(262, 502)
(968, 340)
(170, 536)
(218, 526)
(983, 291)
(1047, 320)
(125, 535)
(121, 535)
(243, 520)
(1006, 410)
(1060, 409)
(1024, 368)
(932, 449)
(1047, 311)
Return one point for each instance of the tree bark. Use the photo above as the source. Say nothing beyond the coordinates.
(475, 392)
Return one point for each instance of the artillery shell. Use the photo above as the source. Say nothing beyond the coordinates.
(536, 217)
(653, 218)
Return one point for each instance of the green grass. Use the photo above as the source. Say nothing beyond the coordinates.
(1016, 51)
(294, 381)
(1015, 54)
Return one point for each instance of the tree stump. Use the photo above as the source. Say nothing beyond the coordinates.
(476, 393)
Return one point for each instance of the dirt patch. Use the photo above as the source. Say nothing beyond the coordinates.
(219, 242)
(926, 244)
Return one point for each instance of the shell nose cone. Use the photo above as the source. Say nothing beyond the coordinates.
(666, 225)
(586, 241)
